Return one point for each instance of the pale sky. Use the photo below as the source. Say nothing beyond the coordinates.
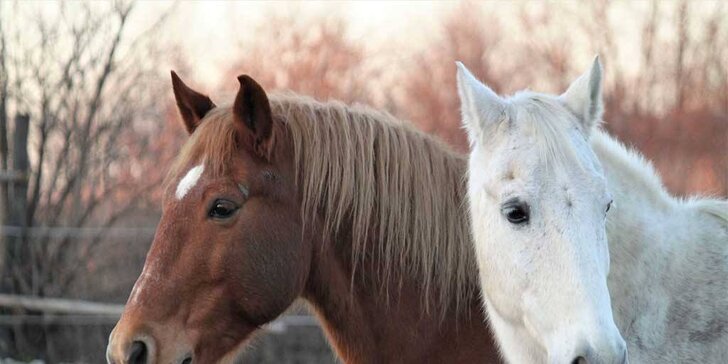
(215, 28)
(210, 33)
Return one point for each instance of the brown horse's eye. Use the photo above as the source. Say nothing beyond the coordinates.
(222, 209)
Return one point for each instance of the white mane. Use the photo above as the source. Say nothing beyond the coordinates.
(632, 166)
(639, 172)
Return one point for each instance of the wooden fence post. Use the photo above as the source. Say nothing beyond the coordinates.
(16, 253)
(21, 164)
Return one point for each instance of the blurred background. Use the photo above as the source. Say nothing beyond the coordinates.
(88, 122)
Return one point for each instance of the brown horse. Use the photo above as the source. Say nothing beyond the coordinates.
(270, 200)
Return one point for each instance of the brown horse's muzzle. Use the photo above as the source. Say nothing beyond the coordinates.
(140, 345)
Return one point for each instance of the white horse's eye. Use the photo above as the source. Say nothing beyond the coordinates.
(609, 206)
(516, 212)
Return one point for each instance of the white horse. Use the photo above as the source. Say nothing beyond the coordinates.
(542, 179)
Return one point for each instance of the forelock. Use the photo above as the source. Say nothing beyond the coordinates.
(550, 124)
(212, 144)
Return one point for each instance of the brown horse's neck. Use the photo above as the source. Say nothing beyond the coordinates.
(364, 326)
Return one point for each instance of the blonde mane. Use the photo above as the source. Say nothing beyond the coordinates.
(385, 181)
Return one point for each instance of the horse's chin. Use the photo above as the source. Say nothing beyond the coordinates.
(231, 355)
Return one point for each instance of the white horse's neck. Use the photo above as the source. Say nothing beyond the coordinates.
(669, 263)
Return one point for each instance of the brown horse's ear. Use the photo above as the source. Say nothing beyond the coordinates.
(253, 118)
(192, 105)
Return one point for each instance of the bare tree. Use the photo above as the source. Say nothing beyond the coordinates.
(93, 93)
(426, 94)
(311, 56)
(4, 81)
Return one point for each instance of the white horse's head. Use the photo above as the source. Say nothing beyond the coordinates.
(538, 200)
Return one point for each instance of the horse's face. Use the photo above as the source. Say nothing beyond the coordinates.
(539, 200)
(228, 255)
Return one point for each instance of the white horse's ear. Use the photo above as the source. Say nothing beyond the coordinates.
(584, 97)
(479, 104)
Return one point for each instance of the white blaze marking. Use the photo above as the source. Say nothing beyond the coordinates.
(189, 181)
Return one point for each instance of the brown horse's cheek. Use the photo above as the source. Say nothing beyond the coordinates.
(272, 263)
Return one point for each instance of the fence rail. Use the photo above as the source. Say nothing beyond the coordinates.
(12, 176)
(69, 231)
(79, 312)
(60, 305)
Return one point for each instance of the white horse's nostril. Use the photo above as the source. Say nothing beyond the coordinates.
(625, 357)
(616, 356)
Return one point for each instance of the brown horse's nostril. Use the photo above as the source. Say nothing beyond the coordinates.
(579, 360)
(188, 360)
(137, 353)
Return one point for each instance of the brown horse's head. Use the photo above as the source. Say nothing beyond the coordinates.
(228, 254)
